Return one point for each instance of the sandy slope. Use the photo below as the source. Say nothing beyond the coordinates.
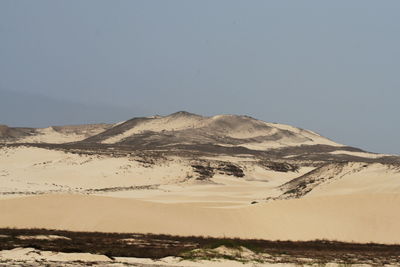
(36, 170)
(30, 254)
(49, 135)
(360, 218)
(358, 178)
(53, 134)
(255, 134)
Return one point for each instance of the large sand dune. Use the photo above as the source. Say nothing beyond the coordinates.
(221, 129)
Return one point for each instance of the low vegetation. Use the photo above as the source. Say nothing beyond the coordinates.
(194, 247)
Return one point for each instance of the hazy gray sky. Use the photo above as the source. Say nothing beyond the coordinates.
(329, 66)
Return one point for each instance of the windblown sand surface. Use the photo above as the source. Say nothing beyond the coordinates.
(36, 170)
(358, 203)
(353, 218)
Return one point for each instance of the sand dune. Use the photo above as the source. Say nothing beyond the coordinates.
(37, 170)
(358, 178)
(356, 218)
(246, 131)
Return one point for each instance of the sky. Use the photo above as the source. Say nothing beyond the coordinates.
(328, 66)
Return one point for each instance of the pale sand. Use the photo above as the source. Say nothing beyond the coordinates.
(355, 218)
(49, 135)
(27, 169)
(240, 127)
(159, 124)
(373, 179)
(359, 154)
(31, 254)
(35, 169)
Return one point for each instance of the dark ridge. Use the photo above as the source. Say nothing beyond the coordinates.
(204, 172)
(115, 130)
(79, 129)
(304, 157)
(312, 149)
(302, 185)
(183, 113)
(15, 132)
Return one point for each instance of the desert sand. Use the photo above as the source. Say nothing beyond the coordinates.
(34, 257)
(70, 191)
(351, 218)
(36, 170)
(30, 254)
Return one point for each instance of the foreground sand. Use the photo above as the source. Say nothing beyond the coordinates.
(355, 218)
(33, 257)
(28, 170)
